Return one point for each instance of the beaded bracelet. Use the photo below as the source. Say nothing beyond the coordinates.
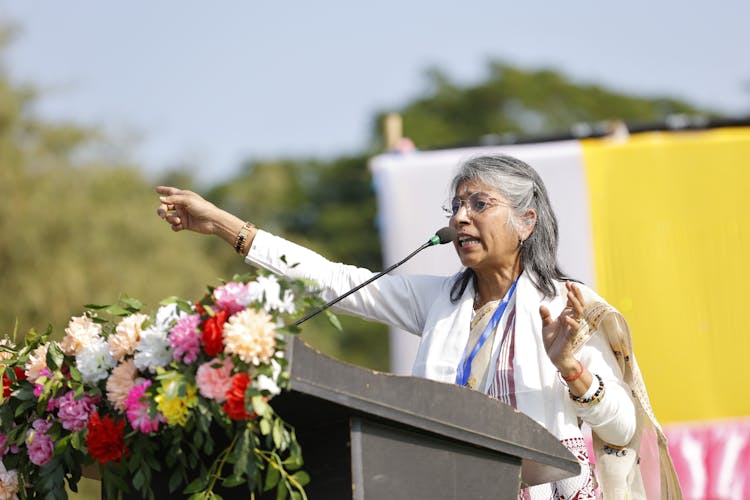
(593, 400)
(239, 243)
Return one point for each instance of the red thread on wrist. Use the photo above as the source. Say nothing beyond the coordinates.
(575, 377)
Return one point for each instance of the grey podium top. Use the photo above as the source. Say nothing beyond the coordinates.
(446, 410)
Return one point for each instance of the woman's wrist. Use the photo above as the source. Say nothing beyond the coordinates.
(569, 368)
(229, 227)
(243, 238)
(575, 375)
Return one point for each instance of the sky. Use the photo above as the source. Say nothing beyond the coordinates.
(210, 85)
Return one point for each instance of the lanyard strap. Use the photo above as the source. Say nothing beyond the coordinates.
(464, 368)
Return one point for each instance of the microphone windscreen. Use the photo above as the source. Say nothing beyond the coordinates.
(446, 234)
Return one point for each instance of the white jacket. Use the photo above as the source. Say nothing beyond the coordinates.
(422, 305)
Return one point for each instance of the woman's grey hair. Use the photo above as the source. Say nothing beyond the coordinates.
(522, 187)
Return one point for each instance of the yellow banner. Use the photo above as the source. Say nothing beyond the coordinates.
(671, 237)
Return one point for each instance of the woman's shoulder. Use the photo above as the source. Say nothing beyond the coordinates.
(432, 282)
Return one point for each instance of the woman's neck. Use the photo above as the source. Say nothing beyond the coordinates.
(494, 285)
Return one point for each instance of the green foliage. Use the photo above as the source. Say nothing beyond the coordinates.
(515, 103)
(76, 231)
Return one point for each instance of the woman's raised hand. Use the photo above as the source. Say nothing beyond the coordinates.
(559, 333)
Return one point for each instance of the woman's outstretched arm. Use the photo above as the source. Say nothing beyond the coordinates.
(186, 210)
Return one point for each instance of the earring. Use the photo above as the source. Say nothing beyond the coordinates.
(520, 243)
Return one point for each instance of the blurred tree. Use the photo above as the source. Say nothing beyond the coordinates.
(75, 230)
(514, 103)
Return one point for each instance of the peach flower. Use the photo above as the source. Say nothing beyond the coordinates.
(4, 354)
(127, 335)
(81, 331)
(37, 362)
(8, 484)
(119, 383)
(250, 334)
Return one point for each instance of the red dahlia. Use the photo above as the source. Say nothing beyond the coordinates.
(235, 405)
(213, 329)
(105, 440)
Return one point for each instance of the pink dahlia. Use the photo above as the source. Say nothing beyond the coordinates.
(185, 338)
(136, 410)
(214, 379)
(74, 413)
(38, 443)
(232, 296)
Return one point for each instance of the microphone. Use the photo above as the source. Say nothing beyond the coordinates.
(441, 237)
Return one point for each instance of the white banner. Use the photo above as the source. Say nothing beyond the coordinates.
(411, 188)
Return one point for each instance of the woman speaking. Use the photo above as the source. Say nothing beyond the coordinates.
(509, 324)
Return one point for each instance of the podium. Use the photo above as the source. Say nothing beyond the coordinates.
(367, 435)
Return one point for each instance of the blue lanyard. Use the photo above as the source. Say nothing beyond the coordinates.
(464, 368)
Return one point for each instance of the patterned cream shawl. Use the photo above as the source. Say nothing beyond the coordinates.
(630, 471)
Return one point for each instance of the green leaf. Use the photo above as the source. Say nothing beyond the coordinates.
(242, 453)
(278, 434)
(139, 479)
(75, 374)
(96, 307)
(301, 477)
(265, 426)
(196, 486)
(25, 393)
(54, 357)
(175, 481)
(272, 478)
(334, 321)
(260, 407)
(293, 463)
(132, 303)
(233, 481)
(296, 495)
(281, 491)
(62, 444)
(75, 440)
(23, 408)
(117, 311)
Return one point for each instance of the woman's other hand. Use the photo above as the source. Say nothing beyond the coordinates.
(559, 333)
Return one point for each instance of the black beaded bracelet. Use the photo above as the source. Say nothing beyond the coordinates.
(598, 395)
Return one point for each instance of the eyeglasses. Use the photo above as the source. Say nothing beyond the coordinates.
(476, 203)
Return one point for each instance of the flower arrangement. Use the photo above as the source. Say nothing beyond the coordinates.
(182, 394)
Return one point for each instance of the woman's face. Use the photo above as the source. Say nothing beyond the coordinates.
(486, 241)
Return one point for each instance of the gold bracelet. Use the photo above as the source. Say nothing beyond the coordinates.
(239, 242)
